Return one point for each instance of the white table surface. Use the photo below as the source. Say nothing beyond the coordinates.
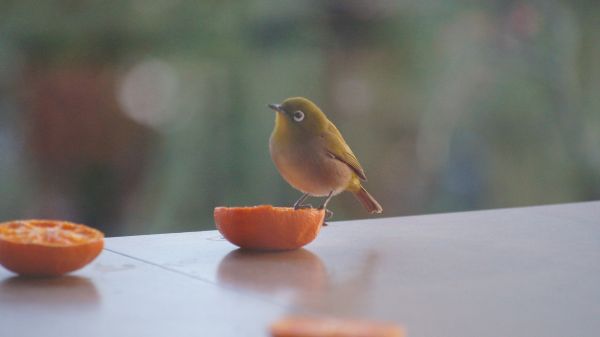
(532, 271)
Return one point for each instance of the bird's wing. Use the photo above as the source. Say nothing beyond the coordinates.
(337, 148)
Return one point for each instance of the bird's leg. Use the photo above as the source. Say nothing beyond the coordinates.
(329, 196)
(328, 213)
(300, 202)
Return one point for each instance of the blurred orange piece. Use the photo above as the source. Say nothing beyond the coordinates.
(332, 327)
(269, 228)
(47, 247)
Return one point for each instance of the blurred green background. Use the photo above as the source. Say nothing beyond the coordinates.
(141, 116)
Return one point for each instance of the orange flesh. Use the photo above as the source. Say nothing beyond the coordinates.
(47, 233)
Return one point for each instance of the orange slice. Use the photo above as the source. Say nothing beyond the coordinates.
(269, 228)
(333, 327)
(47, 247)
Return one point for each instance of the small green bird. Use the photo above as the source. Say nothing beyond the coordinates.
(312, 156)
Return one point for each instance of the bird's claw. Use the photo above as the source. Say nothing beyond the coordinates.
(328, 213)
(302, 206)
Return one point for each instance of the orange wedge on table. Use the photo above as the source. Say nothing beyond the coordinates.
(296, 326)
(269, 228)
(47, 247)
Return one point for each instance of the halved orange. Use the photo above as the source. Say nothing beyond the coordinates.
(269, 228)
(47, 247)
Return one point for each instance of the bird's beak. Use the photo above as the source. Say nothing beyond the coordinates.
(276, 107)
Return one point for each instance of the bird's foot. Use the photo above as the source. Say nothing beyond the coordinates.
(328, 213)
(296, 207)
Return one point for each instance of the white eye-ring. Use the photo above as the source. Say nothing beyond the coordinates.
(298, 116)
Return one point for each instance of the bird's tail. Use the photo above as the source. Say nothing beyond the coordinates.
(368, 201)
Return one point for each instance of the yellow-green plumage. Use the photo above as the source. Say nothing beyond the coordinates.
(311, 154)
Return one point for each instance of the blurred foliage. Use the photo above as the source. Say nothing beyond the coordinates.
(140, 117)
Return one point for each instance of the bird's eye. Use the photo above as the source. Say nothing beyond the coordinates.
(298, 116)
